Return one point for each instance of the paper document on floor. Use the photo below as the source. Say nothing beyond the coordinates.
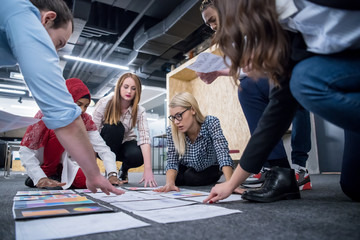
(126, 197)
(184, 193)
(43, 192)
(231, 198)
(65, 227)
(186, 213)
(151, 204)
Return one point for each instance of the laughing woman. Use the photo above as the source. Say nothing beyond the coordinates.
(198, 152)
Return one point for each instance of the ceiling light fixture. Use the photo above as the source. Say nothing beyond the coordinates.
(34, 108)
(16, 75)
(96, 62)
(13, 87)
(12, 91)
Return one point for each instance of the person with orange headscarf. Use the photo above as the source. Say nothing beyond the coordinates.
(45, 159)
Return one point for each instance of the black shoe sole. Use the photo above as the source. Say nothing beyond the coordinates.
(252, 186)
(253, 182)
(285, 196)
(303, 182)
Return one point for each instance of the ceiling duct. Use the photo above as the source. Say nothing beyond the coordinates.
(158, 39)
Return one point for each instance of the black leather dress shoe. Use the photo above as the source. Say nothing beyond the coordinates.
(280, 183)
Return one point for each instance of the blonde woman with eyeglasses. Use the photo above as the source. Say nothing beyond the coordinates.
(198, 152)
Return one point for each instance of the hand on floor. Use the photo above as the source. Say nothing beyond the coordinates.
(47, 182)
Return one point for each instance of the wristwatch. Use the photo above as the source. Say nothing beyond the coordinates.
(112, 174)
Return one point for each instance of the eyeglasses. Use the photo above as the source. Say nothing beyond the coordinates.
(177, 116)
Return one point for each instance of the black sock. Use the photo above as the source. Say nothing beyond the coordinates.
(279, 162)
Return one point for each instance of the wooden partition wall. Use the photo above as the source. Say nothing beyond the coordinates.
(219, 99)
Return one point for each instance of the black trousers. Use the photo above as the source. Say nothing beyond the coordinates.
(129, 153)
(189, 177)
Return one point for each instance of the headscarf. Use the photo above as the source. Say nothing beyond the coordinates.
(37, 135)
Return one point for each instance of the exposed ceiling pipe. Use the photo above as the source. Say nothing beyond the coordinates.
(74, 67)
(86, 55)
(159, 38)
(103, 88)
(91, 56)
(116, 44)
(126, 32)
(103, 50)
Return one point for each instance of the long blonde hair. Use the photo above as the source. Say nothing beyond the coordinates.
(250, 35)
(113, 109)
(188, 101)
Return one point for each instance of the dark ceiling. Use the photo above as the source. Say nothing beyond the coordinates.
(148, 36)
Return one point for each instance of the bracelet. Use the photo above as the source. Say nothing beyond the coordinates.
(112, 174)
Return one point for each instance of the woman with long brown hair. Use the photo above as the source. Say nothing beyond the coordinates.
(253, 95)
(116, 117)
(319, 58)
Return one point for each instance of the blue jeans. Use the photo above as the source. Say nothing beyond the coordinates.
(254, 97)
(300, 137)
(329, 86)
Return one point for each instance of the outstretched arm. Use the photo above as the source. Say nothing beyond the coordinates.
(223, 190)
(75, 140)
(148, 177)
(208, 78)
(170, 182)
(32, 164)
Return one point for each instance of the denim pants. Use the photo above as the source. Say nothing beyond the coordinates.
(329, 86)
(254, 97)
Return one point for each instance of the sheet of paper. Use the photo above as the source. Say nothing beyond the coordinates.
(186, 213)
(60, 211)
(45, 197)
(231, 198)
(10, 121)
(65, 227)
(208, 62)
(113, 197)
(98, 190)
(86, 190)
(151, 204)
(183, 193)
(142, 188)
(43, 192)
(126, 197)
(51, 202)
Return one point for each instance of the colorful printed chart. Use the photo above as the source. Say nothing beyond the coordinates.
(45, 197)
(51, 202)
(59, 210)
(45, 192)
